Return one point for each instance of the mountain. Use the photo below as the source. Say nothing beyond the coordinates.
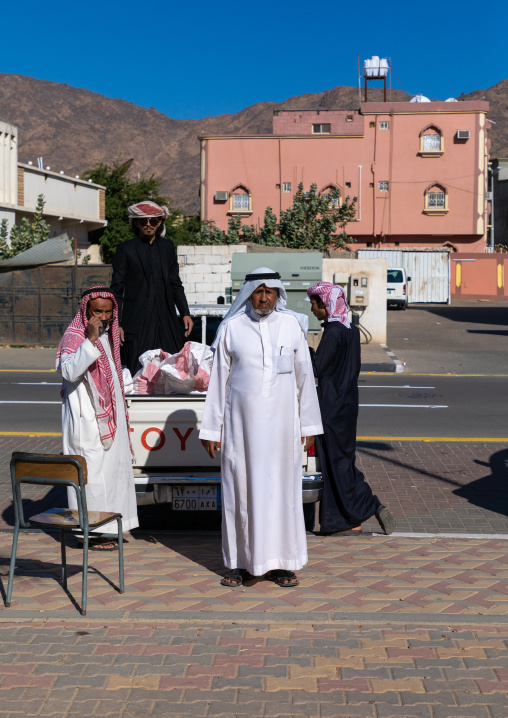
(73, 129)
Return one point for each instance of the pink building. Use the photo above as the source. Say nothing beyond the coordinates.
(419, 171)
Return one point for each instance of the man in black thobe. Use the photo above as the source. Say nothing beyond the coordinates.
(147, 286)
(347, 499)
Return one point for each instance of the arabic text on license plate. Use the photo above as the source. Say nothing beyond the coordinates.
(196, 498)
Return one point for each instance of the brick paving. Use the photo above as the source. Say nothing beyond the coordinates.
(204, 668)
(379, 627)
(454, 487)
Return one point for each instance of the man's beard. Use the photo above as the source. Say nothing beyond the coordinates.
(263, 312)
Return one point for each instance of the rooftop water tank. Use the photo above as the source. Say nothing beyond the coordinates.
(419, 98)
(375, 67)
(451, 99)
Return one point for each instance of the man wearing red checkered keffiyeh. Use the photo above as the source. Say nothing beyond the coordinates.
(95, 423)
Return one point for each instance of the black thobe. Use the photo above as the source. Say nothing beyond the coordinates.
(347, 498)
(146, 283)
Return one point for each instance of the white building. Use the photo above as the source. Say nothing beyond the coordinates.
(71, 205)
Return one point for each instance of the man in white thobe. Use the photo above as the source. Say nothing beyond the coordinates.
(260, 408)
(94, 415)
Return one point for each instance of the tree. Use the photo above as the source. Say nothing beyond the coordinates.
(25, 235)
(311, 223)
(121, 192)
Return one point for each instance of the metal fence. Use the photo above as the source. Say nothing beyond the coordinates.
(429, 271)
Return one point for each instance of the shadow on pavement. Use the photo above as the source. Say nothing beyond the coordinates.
(489, 492)
(204, 549)
(486, 314)
(55, 498)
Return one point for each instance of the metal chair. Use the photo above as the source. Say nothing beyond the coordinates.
(58, 470)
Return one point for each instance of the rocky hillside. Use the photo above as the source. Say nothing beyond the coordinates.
(73, 129)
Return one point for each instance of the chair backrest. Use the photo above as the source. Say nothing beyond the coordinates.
(44, 467)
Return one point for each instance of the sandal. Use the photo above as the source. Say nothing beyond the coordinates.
(100, 543)
(234, 578)
(283, 578)
(346, 532)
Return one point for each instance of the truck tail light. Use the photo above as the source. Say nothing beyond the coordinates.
(312, 450)
(404, 289)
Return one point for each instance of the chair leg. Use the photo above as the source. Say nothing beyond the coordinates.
(120, 555)
(13, 563)
(64, 558)
(85, 571)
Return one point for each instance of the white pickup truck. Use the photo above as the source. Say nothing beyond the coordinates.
(172, 466)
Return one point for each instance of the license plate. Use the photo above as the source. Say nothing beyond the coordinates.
(390, 291)
(196, 498)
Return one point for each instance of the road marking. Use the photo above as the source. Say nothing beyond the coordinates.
(34, 371)
(30, 402)
(503, 440)
(406, 406)
(31, 383)
(30, 433)
(458, 376)
(403, 534)
(390, 386)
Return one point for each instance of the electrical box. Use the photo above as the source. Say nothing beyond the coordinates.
(342, 279)
(358, 290)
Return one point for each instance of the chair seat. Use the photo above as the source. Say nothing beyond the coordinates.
(69, 518)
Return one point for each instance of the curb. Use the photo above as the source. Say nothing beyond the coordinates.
(395, 365)
(399, 366)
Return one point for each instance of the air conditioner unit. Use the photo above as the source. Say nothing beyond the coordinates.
(463, 134)
(221, 196)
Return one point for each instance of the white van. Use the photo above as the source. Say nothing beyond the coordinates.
(396, 287)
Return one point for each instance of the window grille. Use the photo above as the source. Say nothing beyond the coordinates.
(240, 202)
(286, 186)
(431, 143)
(384, 125)
(321, 129)
(436, 200)
(383, 186)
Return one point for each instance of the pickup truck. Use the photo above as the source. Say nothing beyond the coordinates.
(171, 465)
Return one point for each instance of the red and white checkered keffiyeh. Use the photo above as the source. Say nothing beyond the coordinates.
(98, 375)
(334, 299)
(147, 208)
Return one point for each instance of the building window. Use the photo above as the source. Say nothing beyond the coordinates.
(348, 185)
(431, 142)
(324, 128)
(286, 186)
(382, 186)
(240, 200)
(349, 118)
(436, 200)
(372, 125)
(240, 203)
(332, 194)
(384, 125)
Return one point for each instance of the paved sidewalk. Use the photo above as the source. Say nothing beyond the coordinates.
(200, 668)
(431, 487)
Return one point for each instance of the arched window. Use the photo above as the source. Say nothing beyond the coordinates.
(431, 142)
(333, 194)
(436, 199)
(240, 200)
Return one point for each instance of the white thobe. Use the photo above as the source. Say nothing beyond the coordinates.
(110, 484)
(260, 402)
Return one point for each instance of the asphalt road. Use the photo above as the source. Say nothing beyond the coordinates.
(396, 405)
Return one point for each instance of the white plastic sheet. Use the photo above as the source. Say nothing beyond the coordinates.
(163, 373)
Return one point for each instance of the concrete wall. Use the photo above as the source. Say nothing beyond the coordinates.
(64, 195)
(206, 271)
(8, 163)
(474, 276)
(374, 317)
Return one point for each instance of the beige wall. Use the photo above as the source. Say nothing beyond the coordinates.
(374, 317)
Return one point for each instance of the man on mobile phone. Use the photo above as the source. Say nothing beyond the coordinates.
(147, 287)
(95, 423)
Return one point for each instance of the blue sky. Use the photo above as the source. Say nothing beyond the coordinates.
(196, 59)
